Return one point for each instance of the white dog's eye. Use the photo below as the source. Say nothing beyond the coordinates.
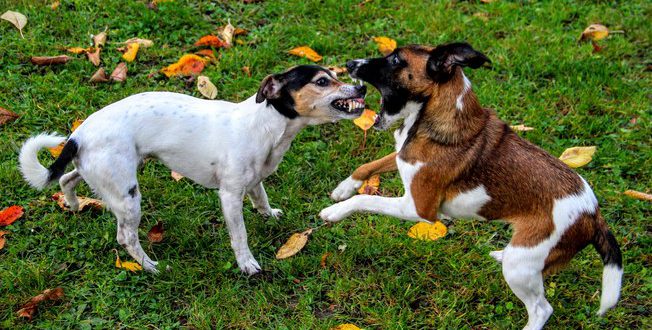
(321, 82)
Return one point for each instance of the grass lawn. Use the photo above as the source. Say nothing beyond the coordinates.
(383, 279)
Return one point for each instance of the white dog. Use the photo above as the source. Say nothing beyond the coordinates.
(218, 144)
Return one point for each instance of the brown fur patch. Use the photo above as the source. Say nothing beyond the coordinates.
(382, 165)
(306, 98)
(576, 238)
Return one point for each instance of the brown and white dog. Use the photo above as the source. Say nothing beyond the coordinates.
(458, 159)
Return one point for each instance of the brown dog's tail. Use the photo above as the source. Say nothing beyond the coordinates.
(606, 245)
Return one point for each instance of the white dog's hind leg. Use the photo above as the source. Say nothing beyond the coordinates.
(259, 200)
(232, 208)
(68, 182)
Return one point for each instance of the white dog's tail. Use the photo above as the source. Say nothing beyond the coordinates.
(36, 174)
(606, 245)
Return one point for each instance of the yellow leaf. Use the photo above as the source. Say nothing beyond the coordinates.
(370, 186)
(595, 32)
(56, 151)
(17, 19)
(428, 231)
(176, 176)
(78, 50)
(307, 52)
(206, 87)
(639, 195)
(76, 124)
(132, 50)
(521, 128)
(346, 326)
(227, 33)
(295, 243)
(128, 265)
(338, 69)
(366, 120)
(385, 45)
(187, 65)
(142, 42)
(577, 156)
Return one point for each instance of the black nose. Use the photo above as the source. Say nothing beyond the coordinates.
(351, 65)
(362, 89)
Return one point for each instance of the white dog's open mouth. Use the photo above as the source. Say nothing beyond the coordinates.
(352, 105)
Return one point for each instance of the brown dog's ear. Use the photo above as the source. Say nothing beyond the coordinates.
(269, 89)
(445, 58)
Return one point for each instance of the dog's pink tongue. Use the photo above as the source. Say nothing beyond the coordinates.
(360, 100)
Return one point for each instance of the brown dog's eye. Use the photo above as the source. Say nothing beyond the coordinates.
(321, 82)
(395, 60)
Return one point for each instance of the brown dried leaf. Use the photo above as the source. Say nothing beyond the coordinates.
(50, 60)
(246, 70)
(2, 238)
(294, 244)
(28, 310)
(227, 33)
(120, 72)
(206, 87)
(99, 39)
(84, 202)
(594, 32)
(17, 19)
(94, 57)
(324, 256)
(99, 76)
(366, 119)
(639, 195)
(155, 235)
(338, 69)
(55, 5)
(7, 116)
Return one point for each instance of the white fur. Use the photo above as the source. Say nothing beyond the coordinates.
(33, 172)
(612, 277)
(346, 189)
(460, 99)
(467, 204)
(410, 112)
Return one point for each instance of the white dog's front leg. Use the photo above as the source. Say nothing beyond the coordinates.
(345, 189)
(400, 207)
(232, 208)
(259, 199)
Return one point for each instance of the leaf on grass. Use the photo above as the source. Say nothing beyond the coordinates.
(84, 202)
(142, 42)
(79, 50)
(132, 50)
(521, 128)
(17, 19)
(246, 70)
(176, 176)
(187, 65)
(294, 244)
(370, 186)
(55, 5)
(155, 235)
(7, 116)
(338, 69)
(385, 45)
(207, 53)
(50, 60)
(239, 31)
(76, 124)
(639, 195)
(99, 76)
(366, 120)
(128, 265)
(120, 72)
(577, 156)
(594, 32)
(94, 57)
(324, 256)
(11, 214)
(210, 41)
(206, 87)
(346, 326)
(28, 310)
(307, 52)
(227, 33)
(56, 151)
(2, 238)
(428, 231)
(99, 39)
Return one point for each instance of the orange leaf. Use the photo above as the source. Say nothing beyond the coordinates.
(385, 45)
(366, 120)
(207, 53)
(2, 238)
(11, 214)
(246, 70)
(211, 41)
(307, 52)
(28, 310)
(132, 50)
(155, 234)
(56, 151)
(7, 116)
(370, 186)
(187, 65)
(324, 256)
(639, 195)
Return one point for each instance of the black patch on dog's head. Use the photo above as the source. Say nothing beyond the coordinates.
(443, 60)
(277, 88)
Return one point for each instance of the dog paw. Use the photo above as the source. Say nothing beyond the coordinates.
(335, 212)
(345, 189)
(498, 255)
(150, 266)
(274, 213)
(249, 265)
(72, 205)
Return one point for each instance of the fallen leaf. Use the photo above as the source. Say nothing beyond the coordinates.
(28, 310)
(145, 43)
(595, 32)
(239, 31)
(2, 238)
(385, 45)
(246, 70)
(128, 265)
(346, 326)
(17, 19)
(366, 120)
(94, 57)
(187, 65)
(338, 69)
(206, 87)
(99, 76)
(294, 244)
(370, 186)
(211, 41)
(155, 235)
(50, 60)
(596, 48)
(227, 33)
(428, 231)
(11, 214)
(7, 116)
(84, 202)
(55, 5)
(487, 1)
(577, 156)
(120, 72)
(639, 195)
(99, 39)
(132, 50)
(79, 50)
(176, 176)
(76, 124)
(324, 256)
(307, 52)
(521, 128)
(56, 151)
(482, 16)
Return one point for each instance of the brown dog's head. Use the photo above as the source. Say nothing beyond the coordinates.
(409, 75)
(312, 92)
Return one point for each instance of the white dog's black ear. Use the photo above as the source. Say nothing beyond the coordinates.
(445, 58)
(270, 89)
